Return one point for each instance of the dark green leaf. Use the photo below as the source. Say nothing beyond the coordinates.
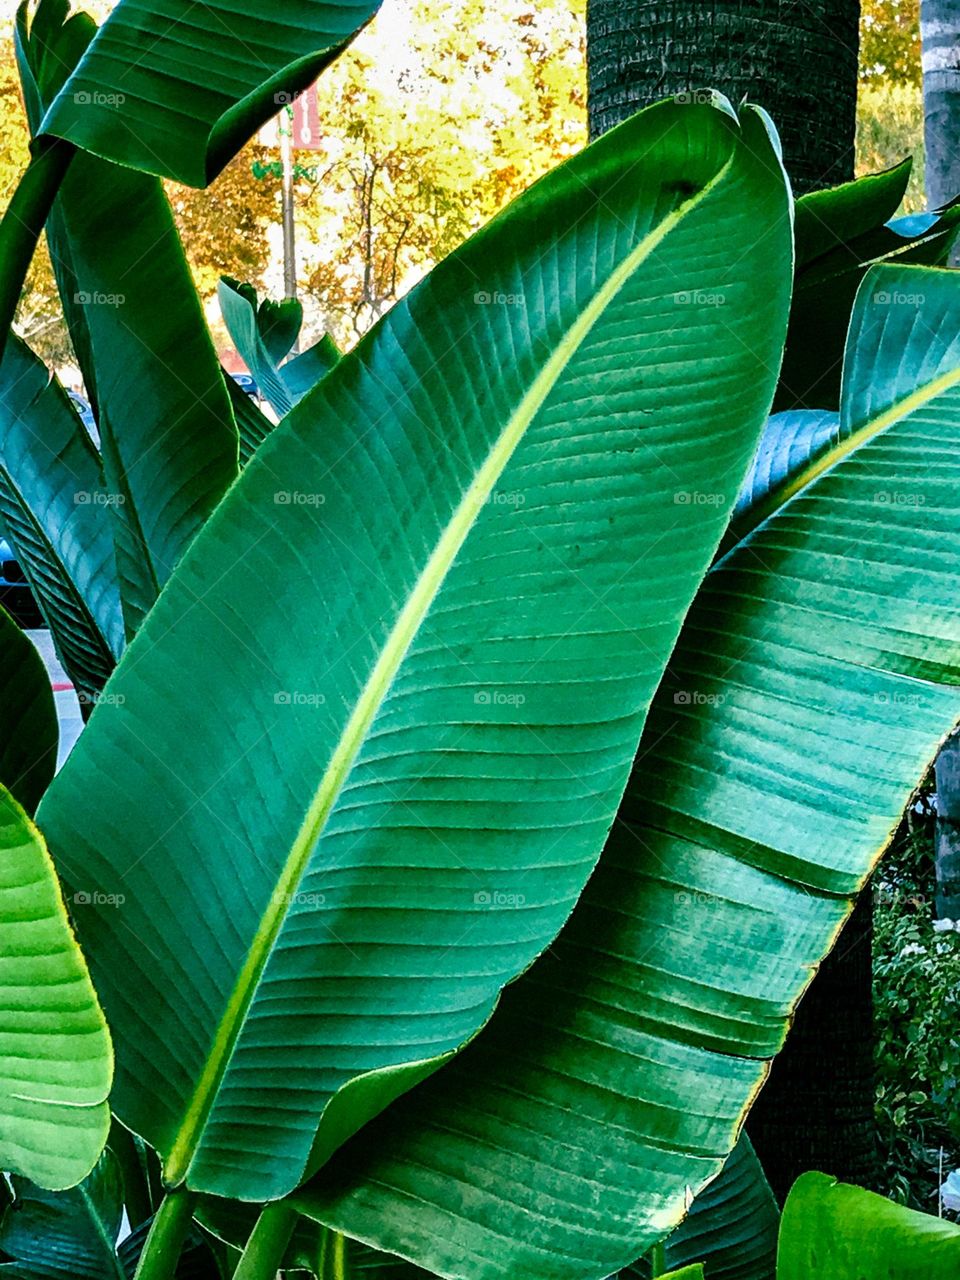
(28, 718)
(839, 233)
(731, 1227)
(176, 88)
(54, 510)
(167, 434)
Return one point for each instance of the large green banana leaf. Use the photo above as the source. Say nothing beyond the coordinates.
(167, 433)
(839, 233)
(832, 1230)
(815, 676)
(176, 88)
(374, 733)
(28, 719)
(731, 1228)
(55, 1057)
(53, 508)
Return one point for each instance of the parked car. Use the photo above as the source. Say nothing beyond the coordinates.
(15, 594)
(86, 416)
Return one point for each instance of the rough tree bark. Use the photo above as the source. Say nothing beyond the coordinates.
(940, 33)
(817, 1109)
(947, 839)
(797, 58)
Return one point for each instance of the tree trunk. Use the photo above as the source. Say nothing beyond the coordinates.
(947, 839)
(798, 60)
(940, 34)
(817, 1111)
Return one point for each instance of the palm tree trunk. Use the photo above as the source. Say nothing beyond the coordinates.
(940, 36)
(940, 33)
(817, 1110)
(797, 58)
(947, 839)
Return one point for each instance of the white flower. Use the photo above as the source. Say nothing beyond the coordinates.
(950, 1191)
(913, 949)
(943, 926)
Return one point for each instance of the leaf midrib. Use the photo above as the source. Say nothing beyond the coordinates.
(770, 506)
(378, 682)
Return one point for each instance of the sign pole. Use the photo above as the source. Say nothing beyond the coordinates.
(289, 231)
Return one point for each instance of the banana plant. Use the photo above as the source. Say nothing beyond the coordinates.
(814, 678)
(320, 989)
(402, 938)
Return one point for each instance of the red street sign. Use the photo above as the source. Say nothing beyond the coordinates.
(305, 130)
(306, 121)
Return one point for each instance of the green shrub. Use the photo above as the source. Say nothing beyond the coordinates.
(917, 1011)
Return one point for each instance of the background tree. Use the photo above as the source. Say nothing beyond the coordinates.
(890, 103)
(940, 34)
(444, 115)
(890, 42)
(797, 60)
